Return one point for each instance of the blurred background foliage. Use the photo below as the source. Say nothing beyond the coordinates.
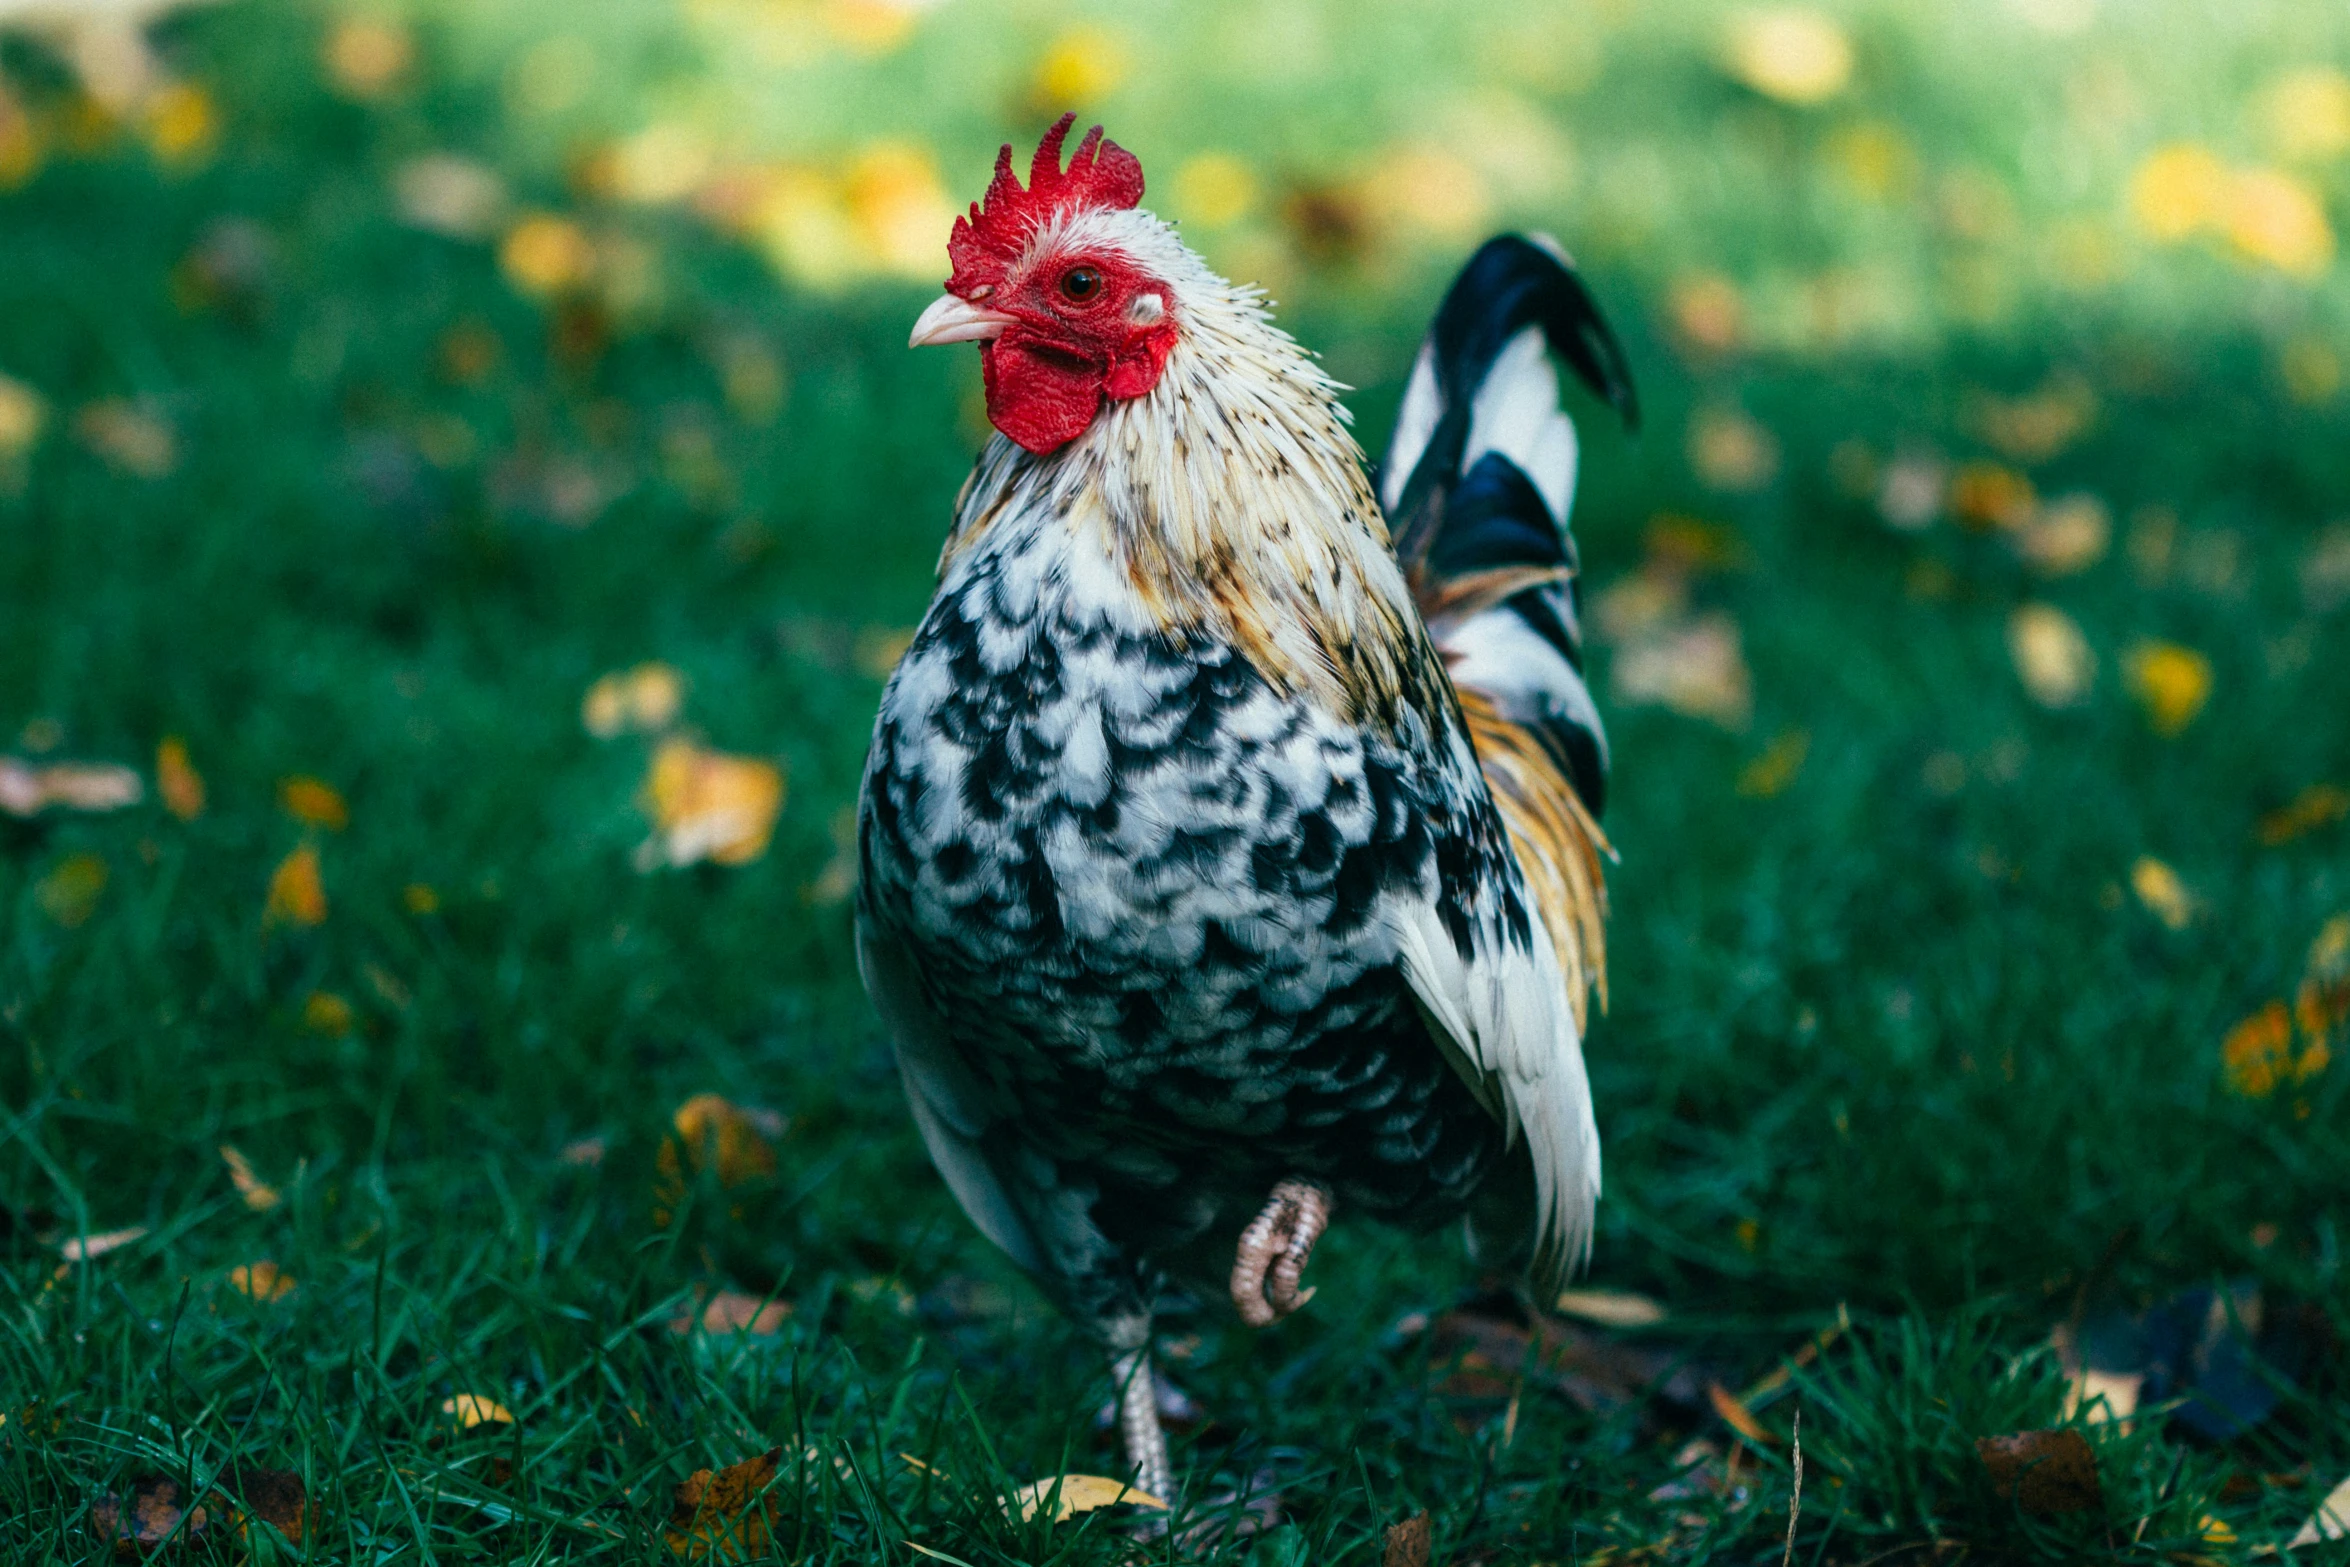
(462, 484)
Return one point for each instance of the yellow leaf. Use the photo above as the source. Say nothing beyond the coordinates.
(645, 699)
(324, 1012)
(314, 801)
(547, 255)
(1611, 1308)
(297, 896)
(2170, 682)
(1769, 774)
(2178, 191)
(69, 894)
(259, 1195)
(1984, 495)
(2051, 655)
(2258, 1054)
(2165, 896)
(367, 57)
(177, 780)
(706, 805)
(261, 1281)
(468, 1410)
(712, 1132)
(1079, 1494)
(1791, 53)
(88, 1248)
(724, 1515)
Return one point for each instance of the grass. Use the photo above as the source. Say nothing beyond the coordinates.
(1892, 1034)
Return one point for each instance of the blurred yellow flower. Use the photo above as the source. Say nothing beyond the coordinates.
(297, 895)
(368, 57)
(314, 801)
(1081, 66)
(1707, 312)
(872, 26)
(2306, 113)
(892, 193)
(544, 254)
(1213, 189)
(1431, 189)
(1874, 158)
(2170, 682)
(177, 780)
(2051, 655)
(324, 1012)
(645, 699)
(22, 414)
(2178, 191)
(261, 1281)
(806, 233)
(2161, 892)
(2319, 805)
(2276, 217)
(183, 124)
(706, 805)
(1791, 53)
(69, 894)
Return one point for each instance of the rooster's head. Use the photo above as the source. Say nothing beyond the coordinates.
(1058, 286)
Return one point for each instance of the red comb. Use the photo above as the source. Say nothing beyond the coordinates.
(1100, 174)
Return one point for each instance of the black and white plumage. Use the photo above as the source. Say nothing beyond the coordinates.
(1181, 875)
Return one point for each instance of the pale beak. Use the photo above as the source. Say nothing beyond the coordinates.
(952, 319)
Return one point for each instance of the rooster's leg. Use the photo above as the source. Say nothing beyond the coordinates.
(1271, 1257)
(1138, 1423)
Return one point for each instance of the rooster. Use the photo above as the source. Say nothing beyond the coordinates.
(1229, 847)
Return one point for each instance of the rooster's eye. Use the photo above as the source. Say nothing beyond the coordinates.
(1080, 284)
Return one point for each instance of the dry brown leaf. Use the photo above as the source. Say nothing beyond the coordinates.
(707, 805)
(468, 1410)
(2331, 1521)
(297, 893)
(1610, 1308)
(711, 1131)
(259, 1195)
(155, 1515)
(261, 1282)
(2319, 805)
(721, 1515)
(88, 1248)
(1407, 1544)
(1738, 1417)
(2043, 1471)
(2066, 536)
(272, 1496)
(1696, 667)
(177, 780)
(69, 894)
(728, 1312)
(1074, 1494)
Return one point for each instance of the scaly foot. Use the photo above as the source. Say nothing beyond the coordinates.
(1272, 1254)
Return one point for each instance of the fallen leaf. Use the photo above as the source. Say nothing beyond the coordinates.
(457, 198)
(2319, 805)
(728, 1312)
(1610, 1308)
(468, 1410)
(177, 780)
(1729, 450)
(128, 437)
(2161, 892)
(261, 1281)
(2066, 536)
(1074, 1494)
(2051, 655)
(706, 805)
(2331, 1521)
(2043, 1471)
(88, 1248)
(2035, 427)
(545, 255)
(315, 802)
(1487, 1349)
(2170, 682)
(155, 1514)
(368, 57)
(1738, 1417)
(1407, 1544)
(1696, 667)
(1778, 764)
(1791, 53)
(645, 699)
(297, 895)
(259, 1195)
(69, 894)
(722, 1515)
(78, 786)
(712, 1132)
(1984, 495)
(275, 1497)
